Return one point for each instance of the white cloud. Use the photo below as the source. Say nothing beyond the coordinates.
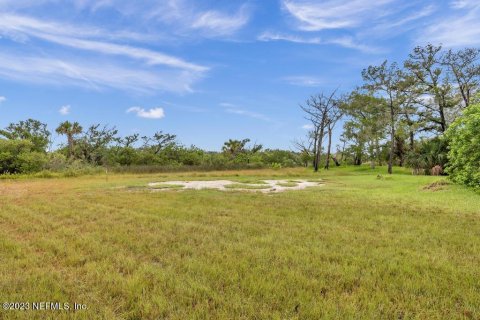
(271, 36)
(308, 126)
(16, 66)
(249, 114)
(64, 110)
(186, 16)
(219, 23)
(66, 35)
(303, 81)
(345, 41)
(351, 43)
(464, 4)
(460, 28)
(334, 14)
(2, 99)
(233, 109)
(154, 113)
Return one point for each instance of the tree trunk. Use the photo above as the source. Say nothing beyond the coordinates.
(392, 139)
(336, 161)
(70, 146)
(315, 139)
(319, 148)
(412, 140)
(327, 163)
(443, 123)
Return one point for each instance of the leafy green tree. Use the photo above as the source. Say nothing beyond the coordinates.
(365, 125)
(232, 147)
(70, 130)
(464, 154)
(387, 80)
(425, 65)
(32, 130)
(93, 145)
(159, 141)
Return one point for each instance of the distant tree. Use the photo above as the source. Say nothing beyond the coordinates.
(334, 115)
(387, 80)
(92, 146)
(366, 120)
(234, 147)
(305, 149)
(434, 82)
(32, 130)
(159, 141)
(317, 109)
(130, 140)
(70, 130)
(465, 69)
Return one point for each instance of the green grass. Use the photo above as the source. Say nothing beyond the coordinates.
(359, 247)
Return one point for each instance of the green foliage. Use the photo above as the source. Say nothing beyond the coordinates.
(20, 156)
(32, 130)
(427, 154)
(464, 154)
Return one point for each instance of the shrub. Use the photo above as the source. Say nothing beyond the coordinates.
(464, 153)
(427, 154)
(18, 156)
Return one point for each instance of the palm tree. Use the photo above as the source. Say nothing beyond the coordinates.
(70, 130)
(234, 147)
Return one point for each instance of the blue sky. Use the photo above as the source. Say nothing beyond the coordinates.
(205, 70)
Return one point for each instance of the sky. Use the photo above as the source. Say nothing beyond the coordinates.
(205, 70)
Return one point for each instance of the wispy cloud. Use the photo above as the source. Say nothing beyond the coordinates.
(16, 66)
(343, 41)
(308, 126)
(464, 4)
(186, 16)
(2, 99)
(460, 27)
(357, 22)
(154, 113)
(64, 110)
(303, 81)
(334, 14)
(273, 36)
(219, 23)
(66, 35)
(233, 109)
(136, 69)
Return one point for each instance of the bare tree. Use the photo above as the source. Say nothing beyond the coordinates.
(305, 148)
(334, 115)
(317, 109)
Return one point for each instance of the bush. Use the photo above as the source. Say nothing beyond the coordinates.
(18, 156)
(464, 153)
(427, 154)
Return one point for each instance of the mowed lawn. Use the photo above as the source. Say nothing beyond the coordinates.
(362, 247)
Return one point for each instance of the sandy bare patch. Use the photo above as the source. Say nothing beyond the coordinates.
(224, 185)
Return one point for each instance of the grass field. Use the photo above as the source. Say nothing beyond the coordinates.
(361, 246)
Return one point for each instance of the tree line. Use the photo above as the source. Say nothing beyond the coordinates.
(25, 147)
(400, 114)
